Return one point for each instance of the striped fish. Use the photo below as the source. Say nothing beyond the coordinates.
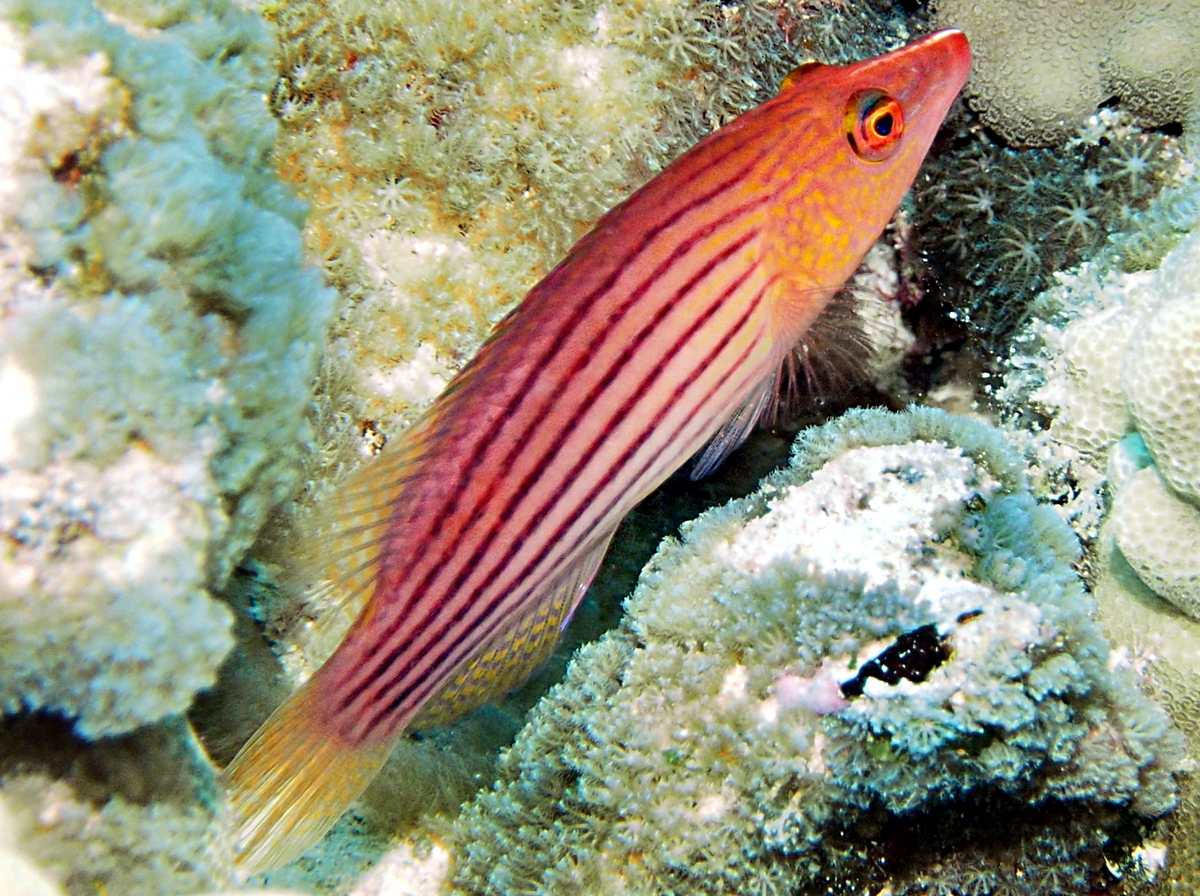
(663, 330)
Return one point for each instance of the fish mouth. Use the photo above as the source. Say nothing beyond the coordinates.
(937, 66)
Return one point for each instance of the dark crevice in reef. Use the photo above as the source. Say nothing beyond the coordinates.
(152, 764)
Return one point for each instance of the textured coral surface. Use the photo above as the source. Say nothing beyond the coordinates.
(159, 336)
(1113, 356)
(1041, 68)
(1120, 387)
(705, 746)
(158, 339)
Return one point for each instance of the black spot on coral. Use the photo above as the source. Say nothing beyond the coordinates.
(912, 656)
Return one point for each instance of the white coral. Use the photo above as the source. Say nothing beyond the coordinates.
(1159, 534)
(1129, 363)
(1161, 373)
(158, 338)
(1041, 68)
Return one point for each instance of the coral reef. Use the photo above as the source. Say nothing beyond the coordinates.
(158, 339)
(1108, 361)
(452, 159)
(995, 224)
(705, 746)
(157, 344)
(1117, 381)
(1041, 68)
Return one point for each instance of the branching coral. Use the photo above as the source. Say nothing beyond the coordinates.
(158, 335)
(705, 747)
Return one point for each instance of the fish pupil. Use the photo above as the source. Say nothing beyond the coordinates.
(874, 125)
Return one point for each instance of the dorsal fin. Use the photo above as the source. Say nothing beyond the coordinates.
(798, 74)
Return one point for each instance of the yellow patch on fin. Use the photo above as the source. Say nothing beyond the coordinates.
(290, 782)
(512, 655)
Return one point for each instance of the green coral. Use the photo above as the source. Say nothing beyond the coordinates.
(159, 332)
(704, 747)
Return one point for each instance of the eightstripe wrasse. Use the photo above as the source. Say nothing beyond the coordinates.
(664, 330)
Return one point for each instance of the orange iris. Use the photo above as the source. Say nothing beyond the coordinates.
(874, 124)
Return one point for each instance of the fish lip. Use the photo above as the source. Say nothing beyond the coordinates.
(946, 52)
(955, 52)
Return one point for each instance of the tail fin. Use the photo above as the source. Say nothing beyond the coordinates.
(291, 781)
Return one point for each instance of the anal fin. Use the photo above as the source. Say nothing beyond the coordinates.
(734, 431)
(514, 653)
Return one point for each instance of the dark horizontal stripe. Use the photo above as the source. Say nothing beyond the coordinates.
(585, 407)
(373, 665)
(583, 306)
(387, 672)
(477, 636)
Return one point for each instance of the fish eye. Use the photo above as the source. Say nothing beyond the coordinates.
(874, 124)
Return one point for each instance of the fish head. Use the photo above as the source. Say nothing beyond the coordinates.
(852, 140)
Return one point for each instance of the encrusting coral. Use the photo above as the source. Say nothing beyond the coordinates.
(1041, 68)
(709, 745)
(158, 338)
